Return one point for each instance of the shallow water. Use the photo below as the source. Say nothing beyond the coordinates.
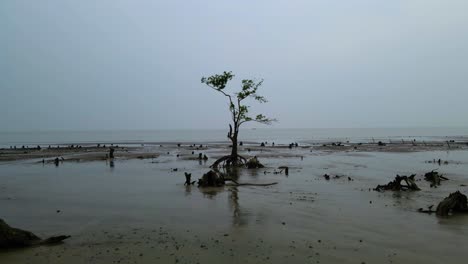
(144, 209)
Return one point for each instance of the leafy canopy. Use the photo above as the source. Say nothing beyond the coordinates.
(239, 111)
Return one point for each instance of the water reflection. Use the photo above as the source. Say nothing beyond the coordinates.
(238, 217)
(188, 190)
(211, 192)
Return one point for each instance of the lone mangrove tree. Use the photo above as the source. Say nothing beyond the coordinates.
(239, 112)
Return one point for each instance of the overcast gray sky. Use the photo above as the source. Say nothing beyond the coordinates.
(117, 64)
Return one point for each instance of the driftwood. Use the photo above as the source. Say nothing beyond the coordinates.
(455, 203)
(13, 237)
(396, 184)
(435, 178)
(428, 211)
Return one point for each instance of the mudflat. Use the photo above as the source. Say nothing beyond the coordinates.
(139, 211)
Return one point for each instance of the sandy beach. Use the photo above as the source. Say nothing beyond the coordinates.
(139, 211)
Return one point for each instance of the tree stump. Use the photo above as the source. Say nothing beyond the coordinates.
(253, 163)
(211, 179)
(435, 178)
(455, 203)
(188, 178)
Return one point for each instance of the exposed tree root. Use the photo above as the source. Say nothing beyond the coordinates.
(435, 178)
(229, 161)
(396, 184)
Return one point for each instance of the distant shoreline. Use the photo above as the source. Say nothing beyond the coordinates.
(94, 152)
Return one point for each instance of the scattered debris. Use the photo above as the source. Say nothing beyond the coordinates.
(336, 177)
(428, 211)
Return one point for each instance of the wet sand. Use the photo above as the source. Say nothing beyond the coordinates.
(139, 211)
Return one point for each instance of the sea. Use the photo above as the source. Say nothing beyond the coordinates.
(279, 136)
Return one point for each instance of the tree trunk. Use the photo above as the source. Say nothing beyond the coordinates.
(234, 159)
(234, 146)
(234, 149)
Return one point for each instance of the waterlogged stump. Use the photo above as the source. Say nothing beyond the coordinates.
(434, 178)
(211, 179)
(253, 163)
(455, 203)
(400, 183)
(13, 237)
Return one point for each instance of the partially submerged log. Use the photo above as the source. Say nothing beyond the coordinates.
(13, 237)
(455, 203)
(396, 184)
(435, 178)
(428, 211)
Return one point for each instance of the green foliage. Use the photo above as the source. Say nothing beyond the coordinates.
(218, 81)
(239, 111)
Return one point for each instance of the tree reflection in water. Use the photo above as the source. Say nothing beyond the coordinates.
(238, 218)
